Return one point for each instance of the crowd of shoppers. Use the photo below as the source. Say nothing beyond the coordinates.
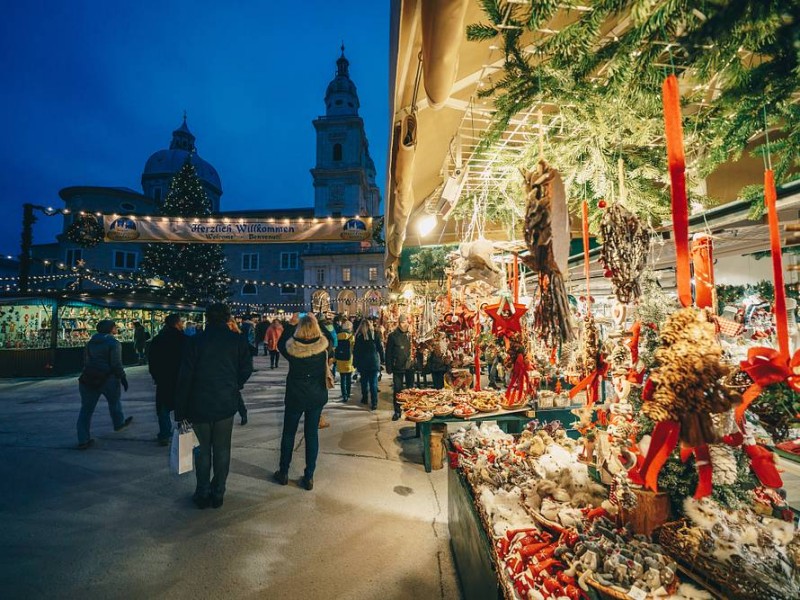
(199, 373)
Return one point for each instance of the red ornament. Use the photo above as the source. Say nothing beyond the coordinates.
(601, 204)
(607, 273)
(505, 317)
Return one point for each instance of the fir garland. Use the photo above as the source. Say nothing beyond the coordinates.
(85, 231)
(609, 86)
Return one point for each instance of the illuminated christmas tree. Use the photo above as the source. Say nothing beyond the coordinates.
(195, 271)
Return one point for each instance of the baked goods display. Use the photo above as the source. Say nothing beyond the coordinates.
(443, 403)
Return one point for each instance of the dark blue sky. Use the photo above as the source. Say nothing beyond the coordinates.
(91, 88)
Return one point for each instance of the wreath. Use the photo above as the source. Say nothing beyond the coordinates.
(85, 231)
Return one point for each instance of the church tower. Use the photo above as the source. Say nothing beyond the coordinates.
(344, 176)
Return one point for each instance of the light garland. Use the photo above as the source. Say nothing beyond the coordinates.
(306, 286)
(225, 220)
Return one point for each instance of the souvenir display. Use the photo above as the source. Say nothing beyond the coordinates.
(603, 291)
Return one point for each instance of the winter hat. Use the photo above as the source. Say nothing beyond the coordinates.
(105, 326)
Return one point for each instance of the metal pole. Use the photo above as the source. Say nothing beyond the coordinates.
(28, 219)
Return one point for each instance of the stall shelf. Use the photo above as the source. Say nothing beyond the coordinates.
(45, 335)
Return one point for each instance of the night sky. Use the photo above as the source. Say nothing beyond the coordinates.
(91, 88)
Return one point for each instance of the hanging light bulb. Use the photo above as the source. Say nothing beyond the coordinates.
(426, 224)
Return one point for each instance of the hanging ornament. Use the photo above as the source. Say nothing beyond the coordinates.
(85, 231)
(682, 392)
(626, 241)
(505, 317)
(723, 462)
(551, 313)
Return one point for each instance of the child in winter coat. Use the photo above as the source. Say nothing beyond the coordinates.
(344, 359)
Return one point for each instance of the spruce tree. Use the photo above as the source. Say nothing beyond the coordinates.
(196, 270)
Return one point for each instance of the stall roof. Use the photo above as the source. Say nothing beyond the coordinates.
(143, 301)
(729, 225)
(464, 117)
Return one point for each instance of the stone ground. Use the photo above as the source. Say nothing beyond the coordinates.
(112, 521)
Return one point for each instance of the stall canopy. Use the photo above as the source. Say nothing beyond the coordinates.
(446, 143)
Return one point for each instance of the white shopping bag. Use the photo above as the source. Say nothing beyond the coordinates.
(181, 452)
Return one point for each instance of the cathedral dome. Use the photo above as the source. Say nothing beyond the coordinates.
(166, 163)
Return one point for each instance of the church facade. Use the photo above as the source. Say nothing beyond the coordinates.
(344, 277)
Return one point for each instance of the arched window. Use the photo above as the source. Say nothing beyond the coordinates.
(337, 152)
(249, 289)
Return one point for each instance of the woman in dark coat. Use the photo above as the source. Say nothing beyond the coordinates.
(367, 358)
(306, 350)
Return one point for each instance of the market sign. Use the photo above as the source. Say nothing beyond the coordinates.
(235, 231)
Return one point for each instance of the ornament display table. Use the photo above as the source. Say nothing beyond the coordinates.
(508, 421)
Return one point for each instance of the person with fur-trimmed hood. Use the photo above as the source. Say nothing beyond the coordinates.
(307, 351)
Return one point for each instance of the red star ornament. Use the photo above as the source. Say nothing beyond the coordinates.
(504, 321)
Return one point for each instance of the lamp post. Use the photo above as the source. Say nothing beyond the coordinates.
(28, 219)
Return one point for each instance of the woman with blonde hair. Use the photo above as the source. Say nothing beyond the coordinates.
(307, 351)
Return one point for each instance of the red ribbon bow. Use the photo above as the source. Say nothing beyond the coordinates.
(591, 383)
(767, 366)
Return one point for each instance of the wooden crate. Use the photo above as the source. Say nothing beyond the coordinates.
(652, 510)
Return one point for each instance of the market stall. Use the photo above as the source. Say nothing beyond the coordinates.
(45, 335)
(609, 176)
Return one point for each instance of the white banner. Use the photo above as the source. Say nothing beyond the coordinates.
(213, 230)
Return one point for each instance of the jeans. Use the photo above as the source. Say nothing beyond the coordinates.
(141, 354)
(369, 380)
(438, 379)
(291, 419)
(215, 446)
(400, 381)
(164, 423)
(112, 390)
(345, 382)
(274, 355)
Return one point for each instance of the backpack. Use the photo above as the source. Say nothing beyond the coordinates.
(343, 351)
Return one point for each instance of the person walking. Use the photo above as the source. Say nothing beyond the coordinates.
(271, 338)
(241, 408)
(367, 358)
(399, 362)
(190, 328)
(248, 330)
(166, 352)
(261, 332)
(307, 351)
(344, 359)
(140, 337)
(215, 366)
(102, 375)
(438, 362)
(328, 330)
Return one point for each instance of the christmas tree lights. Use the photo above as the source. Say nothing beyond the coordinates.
(198, 268)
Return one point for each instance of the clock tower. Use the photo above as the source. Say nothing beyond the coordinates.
(344, 175)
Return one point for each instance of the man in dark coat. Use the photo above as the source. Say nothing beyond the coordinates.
(399, 363)
(261, 333)
(166, 351)
(215, 366)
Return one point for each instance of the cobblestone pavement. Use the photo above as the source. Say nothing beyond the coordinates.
(112, 521)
